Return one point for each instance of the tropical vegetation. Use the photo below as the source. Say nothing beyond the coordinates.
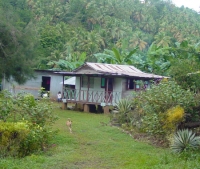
(153, 35)
(96, 144)
(25, 124)
(57, 34)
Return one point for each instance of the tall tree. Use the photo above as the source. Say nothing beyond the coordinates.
(16, 41)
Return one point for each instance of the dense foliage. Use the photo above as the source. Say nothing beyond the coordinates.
(155, 36)
(25, 124)
(67, 29)
(17, 40)
(159, 113)
(64, 34)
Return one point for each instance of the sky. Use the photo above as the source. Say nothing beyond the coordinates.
(194, 4)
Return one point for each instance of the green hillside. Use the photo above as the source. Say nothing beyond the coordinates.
(74, 31)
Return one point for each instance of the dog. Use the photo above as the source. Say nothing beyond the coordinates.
(69, 124)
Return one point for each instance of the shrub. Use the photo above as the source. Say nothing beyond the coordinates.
(37, 139)
(11, 136)
(159, 103)
(172, 118)
(185, 140)
(6, 105)
(36, 115)
(123, 108)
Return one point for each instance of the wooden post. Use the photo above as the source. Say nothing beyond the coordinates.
(64, 106)
(88, 88)
(81, 78)
(106, 109)
(86, 108)
(63, 87)
(107, 82)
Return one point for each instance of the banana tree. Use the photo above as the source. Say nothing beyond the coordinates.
(114, 56)
(69, 65)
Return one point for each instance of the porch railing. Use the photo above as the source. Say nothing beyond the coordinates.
(96, 97)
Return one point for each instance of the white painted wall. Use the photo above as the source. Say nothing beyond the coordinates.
(33, 85)
(117, 87)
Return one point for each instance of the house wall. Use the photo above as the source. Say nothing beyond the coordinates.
(126, 93)
(55, 86)
(34, 85)
(117, 89)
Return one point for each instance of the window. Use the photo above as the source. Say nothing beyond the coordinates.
(139, 84)
(146, 84)
(130, 84)
(103, 82)
(85, 82)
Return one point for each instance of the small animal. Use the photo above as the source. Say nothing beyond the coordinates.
(69, 124)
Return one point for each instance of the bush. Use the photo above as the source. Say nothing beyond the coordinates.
(123, 108)
(37, 139)
(165, 101)
(11, 136)
(185, 140)
(172, 118)
(6, 105)
(36, 115)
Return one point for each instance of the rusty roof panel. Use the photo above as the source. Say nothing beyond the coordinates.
(111, 69)
(126, 70)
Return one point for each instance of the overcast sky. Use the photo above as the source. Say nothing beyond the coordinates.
(194, 4)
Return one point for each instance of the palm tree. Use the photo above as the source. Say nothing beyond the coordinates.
(137, 41)
(115, 57)
(161, 40)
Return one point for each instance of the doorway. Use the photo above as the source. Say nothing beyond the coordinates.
(46, 81)
(109, 90)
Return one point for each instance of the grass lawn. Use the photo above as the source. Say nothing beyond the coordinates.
(94, 145)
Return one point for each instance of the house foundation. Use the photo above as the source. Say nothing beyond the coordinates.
(64, 106)
(106, 109)
(86, 108)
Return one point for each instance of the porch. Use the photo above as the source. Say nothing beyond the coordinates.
(91, 97)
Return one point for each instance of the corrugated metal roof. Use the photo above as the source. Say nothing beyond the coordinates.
(111, 69)
(127, 70)
(102, 67)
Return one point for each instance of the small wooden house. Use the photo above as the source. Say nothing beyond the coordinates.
(103, 85)
(46, 79)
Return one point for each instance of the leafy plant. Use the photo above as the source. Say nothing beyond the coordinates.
(185, 140)
(155, 103)
(11, 136)
(124, 107)
(115, 57)
(172, 118)
(37, 116)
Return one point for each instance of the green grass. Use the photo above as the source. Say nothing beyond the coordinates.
(93, 145)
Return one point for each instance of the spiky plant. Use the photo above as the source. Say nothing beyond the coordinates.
(185, 140)
(124, 107)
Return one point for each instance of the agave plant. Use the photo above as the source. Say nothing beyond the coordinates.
(185, 140)
(123, 107)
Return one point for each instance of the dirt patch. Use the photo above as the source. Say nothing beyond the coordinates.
(143, 137)
(150, 139)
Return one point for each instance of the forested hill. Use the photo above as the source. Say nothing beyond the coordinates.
(75, 30)
(68, 28)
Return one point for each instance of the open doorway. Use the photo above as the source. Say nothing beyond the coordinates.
(46, 81)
